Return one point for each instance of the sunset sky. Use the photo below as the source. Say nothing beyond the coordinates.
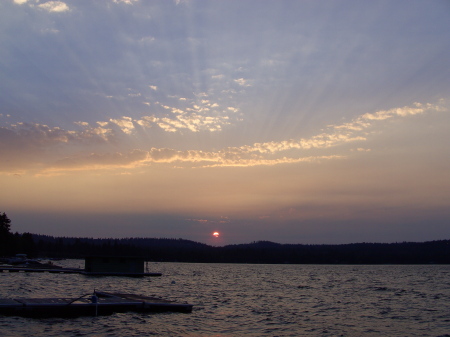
(288, 121)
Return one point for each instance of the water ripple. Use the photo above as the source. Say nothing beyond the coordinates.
(251, 300)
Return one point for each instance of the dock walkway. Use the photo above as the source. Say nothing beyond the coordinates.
(102, 304)
(58, 270)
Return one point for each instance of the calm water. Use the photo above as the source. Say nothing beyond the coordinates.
(251, 300)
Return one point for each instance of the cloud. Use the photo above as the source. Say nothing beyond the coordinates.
(221, 220)
(272, 162)
(25, 138)
(54, 6)
(90, 148)
(204, 116)
(127, 2)
(176, 114)
(26, 145)
(233, 109)
(147, 40)
(50, 31)
(95, 161)
(356, 130)
(198, 220)
(35, 135)
(243, 82)
(125, 124)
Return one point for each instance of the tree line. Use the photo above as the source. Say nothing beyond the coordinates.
(180, 250)
(14, 243)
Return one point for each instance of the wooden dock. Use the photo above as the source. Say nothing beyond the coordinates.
(88, 305)
(72, 271)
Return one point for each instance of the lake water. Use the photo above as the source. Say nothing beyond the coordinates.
(251, 300)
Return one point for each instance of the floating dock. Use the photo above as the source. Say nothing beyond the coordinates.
(99, 303)
(72, 271)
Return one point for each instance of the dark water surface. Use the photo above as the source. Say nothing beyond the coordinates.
(251, 300)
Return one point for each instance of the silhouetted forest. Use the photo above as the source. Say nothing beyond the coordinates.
(179, 250)
(13, 243)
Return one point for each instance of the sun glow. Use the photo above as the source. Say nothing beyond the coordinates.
(216, 234)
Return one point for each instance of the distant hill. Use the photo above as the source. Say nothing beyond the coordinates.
(180, 250)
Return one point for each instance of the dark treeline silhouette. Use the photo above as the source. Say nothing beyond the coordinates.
(12, 243)
(152, 249)
(179, 250)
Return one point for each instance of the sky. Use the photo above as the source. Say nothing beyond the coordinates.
(313, 122)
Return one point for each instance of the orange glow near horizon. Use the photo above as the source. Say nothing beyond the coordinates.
(216, 234)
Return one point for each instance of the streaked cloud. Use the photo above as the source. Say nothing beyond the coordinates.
(28, 139)
(128, 2)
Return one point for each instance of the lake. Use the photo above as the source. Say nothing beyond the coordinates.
(251, 300)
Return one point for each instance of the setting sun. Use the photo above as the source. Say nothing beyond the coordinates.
(216, 234)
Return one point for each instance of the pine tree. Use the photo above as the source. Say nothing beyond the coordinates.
(5, 234)
(5, 226)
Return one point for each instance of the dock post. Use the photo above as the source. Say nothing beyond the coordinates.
(94, 300)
